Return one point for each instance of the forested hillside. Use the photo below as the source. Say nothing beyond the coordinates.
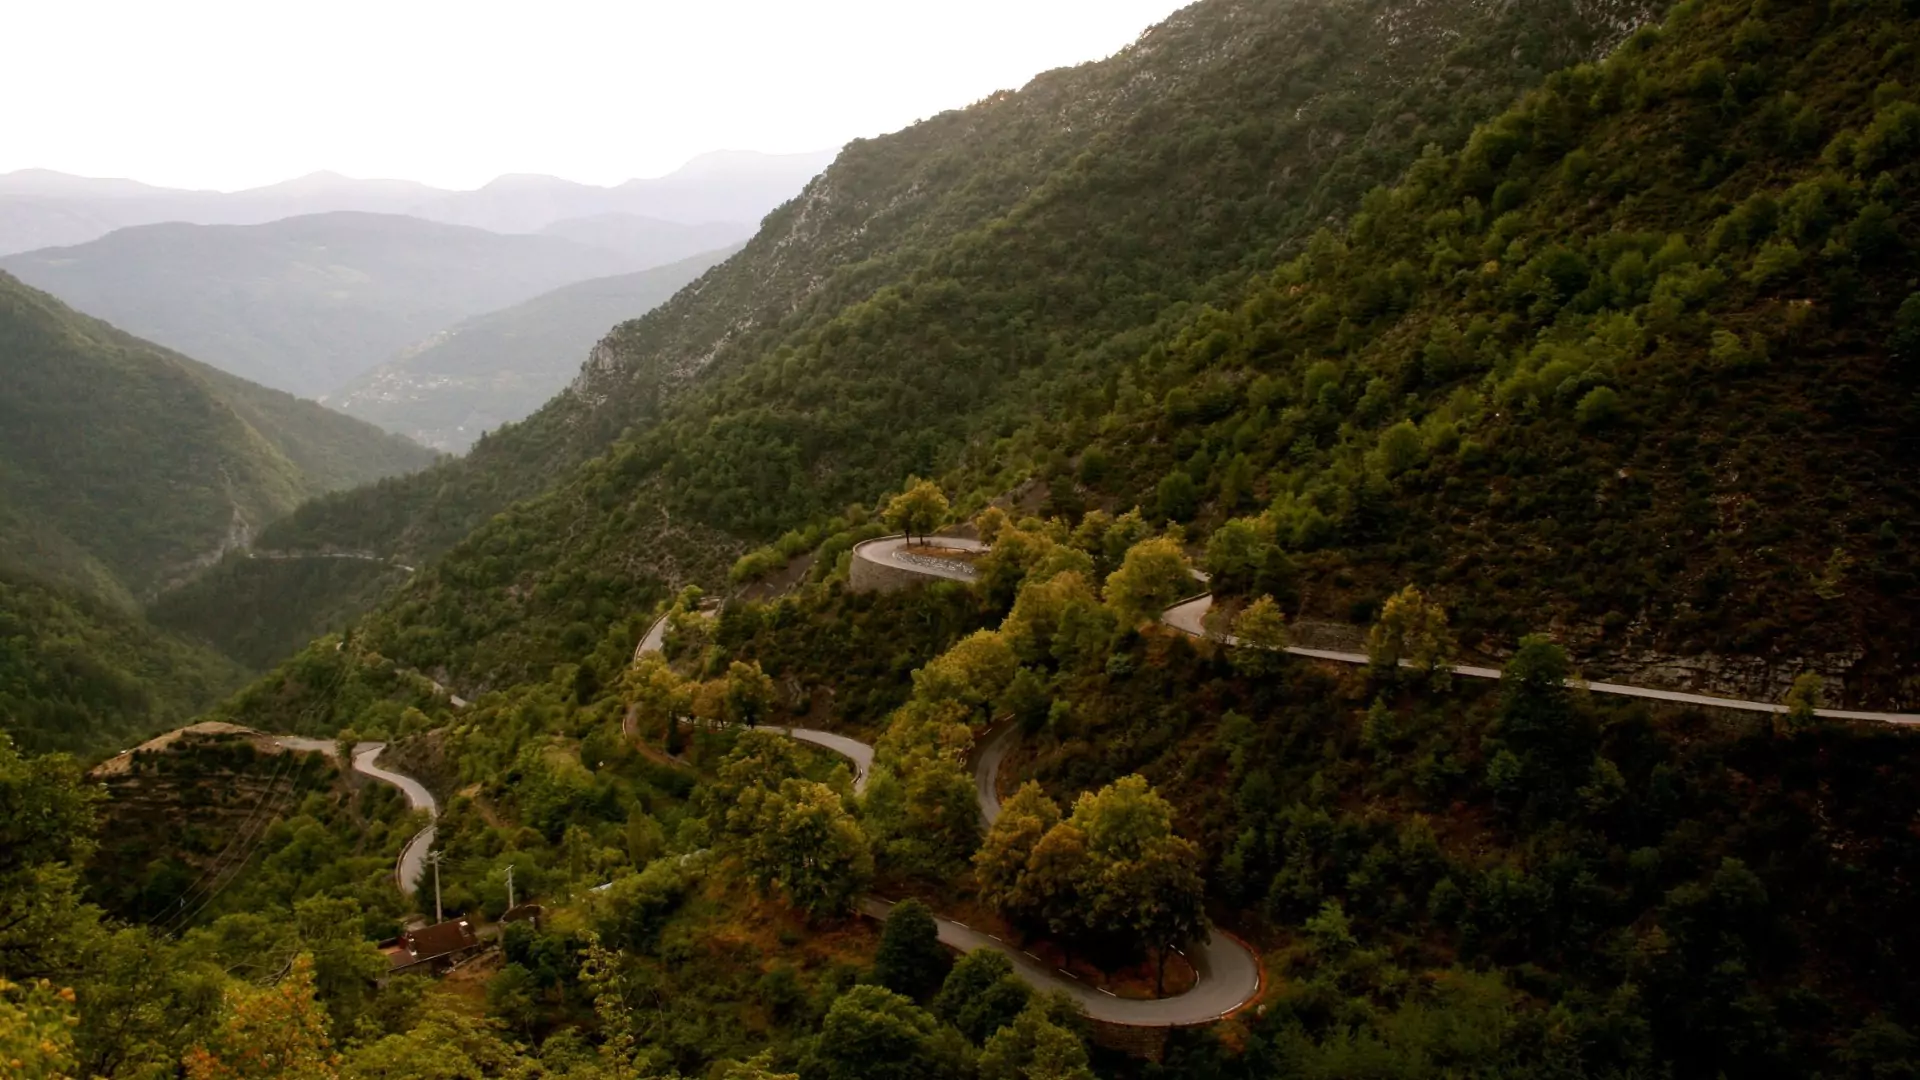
(1424, 327)
(123, 467)
(1692, 463)
(927, 289)
(122, 463)
(81, 675)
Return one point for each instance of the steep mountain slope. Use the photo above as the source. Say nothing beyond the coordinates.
(1032, 225)
(1635, 365)
(80, 675)
(306, 303)
(123, 464)
(470, 378)
(930, 289)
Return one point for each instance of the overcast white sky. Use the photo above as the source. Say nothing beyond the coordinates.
(234, 93)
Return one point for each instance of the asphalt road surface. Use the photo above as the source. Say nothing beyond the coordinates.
(1188, 615)
(413, 857)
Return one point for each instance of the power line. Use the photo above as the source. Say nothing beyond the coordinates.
(245, 827)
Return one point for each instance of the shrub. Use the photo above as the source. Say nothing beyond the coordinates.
(1599, 408)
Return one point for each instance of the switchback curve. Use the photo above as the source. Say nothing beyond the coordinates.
(408, 868)
(1227, 973)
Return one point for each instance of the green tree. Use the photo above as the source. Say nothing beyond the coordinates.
(759, 762)
(46, 834)
(1599, 408)
(918, 510)
(1236, 553)
(344, 963)
(872, 1033)
(981, 995)
(644, 837)
(1033, 1047)
(1538, 724)
(910, 959)
(1400, 448)
(513, 998)
(759, 1067)
(1154, 574)
(1412, 632)
(1906, 335)
(1803, 699)
(1140, 879)
(1178, 495)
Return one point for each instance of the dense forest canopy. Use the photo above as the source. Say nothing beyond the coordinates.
(1532, 336)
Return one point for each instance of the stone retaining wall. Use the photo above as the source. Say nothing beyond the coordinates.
(881, 575)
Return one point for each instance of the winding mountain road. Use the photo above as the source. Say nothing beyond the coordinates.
(1227, 972)
(855, 751)
(1189, 617)
(413, 856)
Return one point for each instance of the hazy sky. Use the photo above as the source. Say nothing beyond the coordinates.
(233, 93)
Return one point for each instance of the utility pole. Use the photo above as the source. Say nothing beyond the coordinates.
(510, 887)
(435, 860)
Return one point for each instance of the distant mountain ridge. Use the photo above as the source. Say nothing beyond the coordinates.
(305, 304)
(499, 367)
(42, 208)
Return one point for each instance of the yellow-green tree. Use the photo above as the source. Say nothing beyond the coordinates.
(657, 698)
(36, 1031)
(1154, 574)
(446, 1042)
(1140, 878)
(1259, 633)
(279, 1033)
(990, 524)
(1412, 632)
(759, 1067)
(1048, 611)
(1803, 699)
(918, 510)
(806, 847)
(973, 672)
(1003, 858)
(749, 694)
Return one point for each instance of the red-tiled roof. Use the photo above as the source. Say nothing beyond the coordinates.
(431, 941)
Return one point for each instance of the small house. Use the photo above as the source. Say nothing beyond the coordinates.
(433, 948)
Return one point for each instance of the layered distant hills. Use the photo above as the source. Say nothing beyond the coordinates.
(496, 368)
(306, 303)
(306, 286)
(40, 208)
(124, 467)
